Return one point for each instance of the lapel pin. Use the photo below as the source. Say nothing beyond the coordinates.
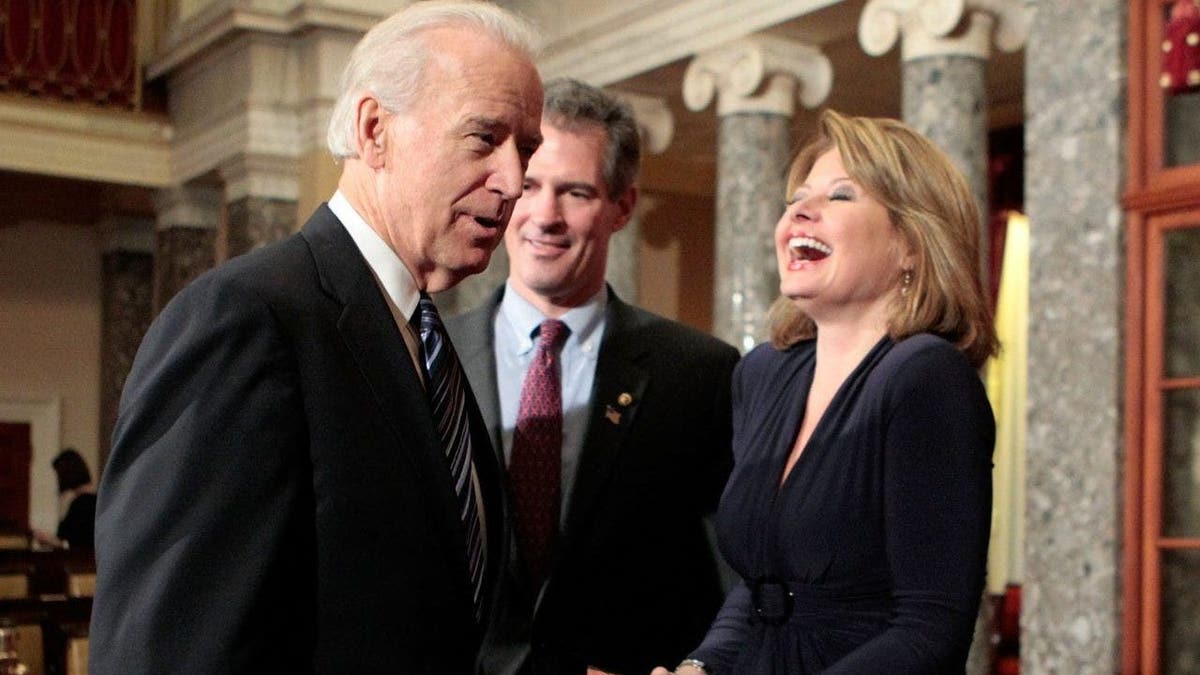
(612, 414)
(624, 399)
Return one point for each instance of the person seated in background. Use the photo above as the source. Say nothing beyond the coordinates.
(77, 494)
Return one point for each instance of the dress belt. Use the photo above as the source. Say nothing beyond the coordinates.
(777, 601)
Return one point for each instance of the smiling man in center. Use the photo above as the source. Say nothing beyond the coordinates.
(614, 423)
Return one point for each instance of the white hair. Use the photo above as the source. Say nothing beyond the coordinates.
(390, 59)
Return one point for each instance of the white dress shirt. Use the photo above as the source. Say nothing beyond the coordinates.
(401, 293)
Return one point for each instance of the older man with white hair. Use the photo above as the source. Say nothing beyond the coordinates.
(300, 480)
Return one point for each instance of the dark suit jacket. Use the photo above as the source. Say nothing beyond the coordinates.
(634, 583)
(277, 499)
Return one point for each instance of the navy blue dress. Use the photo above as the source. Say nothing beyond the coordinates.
(871, 556)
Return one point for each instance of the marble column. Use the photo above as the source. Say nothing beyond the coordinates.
(656, 126)
(946, 45)
(756, 81)
(185, 238)
(260, 201)
(126, 310)
(1075, 65)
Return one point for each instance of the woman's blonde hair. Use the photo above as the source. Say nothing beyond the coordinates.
(930, 205)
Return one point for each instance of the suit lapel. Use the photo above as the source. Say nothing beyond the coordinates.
(373, 339)
(368, 330)
(475, 341)
(616, 394)
(618, 372)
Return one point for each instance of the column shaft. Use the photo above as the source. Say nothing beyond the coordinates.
(1074, 133)
(185, 238)
(944, 98)
(752, 158)
(252, 222)
(180, 255)
(127, 310)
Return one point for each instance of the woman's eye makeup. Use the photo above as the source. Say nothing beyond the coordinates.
(845, 193)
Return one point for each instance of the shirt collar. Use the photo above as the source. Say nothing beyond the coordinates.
(521, 317)
(396, 279)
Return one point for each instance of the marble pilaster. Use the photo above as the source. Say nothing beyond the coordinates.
(185, 238)
(756, 81)
(1075, 156)
(126, 310)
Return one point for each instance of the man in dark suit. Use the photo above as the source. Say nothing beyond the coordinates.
(610, 567)
(281, 494)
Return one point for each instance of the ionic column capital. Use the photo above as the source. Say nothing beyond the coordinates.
(656, 123)
(188, 206)
(759, 73)
(932, 27)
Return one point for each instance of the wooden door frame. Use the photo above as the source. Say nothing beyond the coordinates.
(1155, 197)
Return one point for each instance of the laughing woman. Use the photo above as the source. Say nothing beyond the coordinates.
(858, 511)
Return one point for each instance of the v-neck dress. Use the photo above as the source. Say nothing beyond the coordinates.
(870, 556)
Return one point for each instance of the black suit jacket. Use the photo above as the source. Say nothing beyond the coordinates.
(634, 583)
(277, 499)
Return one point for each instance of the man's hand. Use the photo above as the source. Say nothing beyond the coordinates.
(682, 670)
(46, 539)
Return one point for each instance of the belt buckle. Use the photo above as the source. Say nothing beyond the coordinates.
(778, 598)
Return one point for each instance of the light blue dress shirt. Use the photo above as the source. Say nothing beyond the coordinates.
(514, 326)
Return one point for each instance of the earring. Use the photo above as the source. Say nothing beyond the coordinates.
(906, 279)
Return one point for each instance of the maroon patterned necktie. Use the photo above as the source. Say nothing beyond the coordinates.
(536, 464)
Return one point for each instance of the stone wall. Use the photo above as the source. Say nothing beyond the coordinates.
(1075, 155)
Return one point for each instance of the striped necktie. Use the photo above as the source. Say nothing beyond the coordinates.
(447, 396)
